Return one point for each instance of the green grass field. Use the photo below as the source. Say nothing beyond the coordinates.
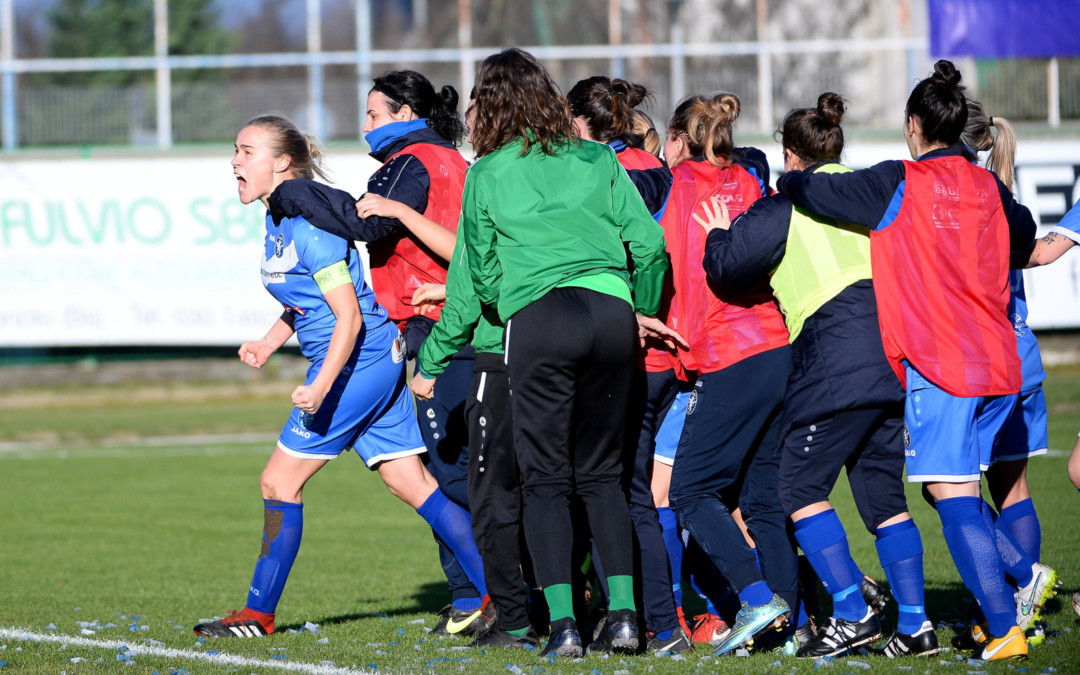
(130, 514)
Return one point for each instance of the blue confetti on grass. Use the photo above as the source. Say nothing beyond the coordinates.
(400, 631)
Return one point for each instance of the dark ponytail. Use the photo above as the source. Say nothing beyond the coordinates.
(939, 104)
(607, 105)
(408, 87)
(814, 134)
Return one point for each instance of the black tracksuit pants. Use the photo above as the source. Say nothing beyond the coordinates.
(571, 356)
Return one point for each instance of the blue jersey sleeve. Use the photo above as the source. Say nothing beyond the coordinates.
(317, 249)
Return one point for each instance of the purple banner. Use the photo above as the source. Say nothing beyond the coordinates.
(1004, 28)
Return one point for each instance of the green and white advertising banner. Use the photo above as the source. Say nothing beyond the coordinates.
(135, 251)
(159, 250)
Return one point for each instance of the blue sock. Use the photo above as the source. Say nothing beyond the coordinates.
(900, 549)
(453, 525)
(1017, 563)
(756, 594)
(669, 527)
(800, 612)
(978, 561)
(283, 526)
(1022, 521)
(823, 540)
(467, 604)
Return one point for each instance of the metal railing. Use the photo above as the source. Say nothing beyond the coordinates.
(770, 77)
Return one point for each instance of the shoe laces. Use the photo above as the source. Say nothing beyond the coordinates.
(707, 620)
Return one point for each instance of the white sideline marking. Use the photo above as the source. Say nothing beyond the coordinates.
(169, 653)
(152, 441)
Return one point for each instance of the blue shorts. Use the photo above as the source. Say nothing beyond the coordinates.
(368, 408)
(1024, 433)
(950, 439)
(667, 436)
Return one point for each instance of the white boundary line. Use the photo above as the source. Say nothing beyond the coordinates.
(151, 441)
(169, 653)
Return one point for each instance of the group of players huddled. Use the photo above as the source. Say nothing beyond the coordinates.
(660, 368)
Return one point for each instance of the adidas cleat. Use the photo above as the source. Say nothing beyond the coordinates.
(1012, 646)
(923, 642)
(838, 636)
(245, 623)
(1031, 598)
(753, 620)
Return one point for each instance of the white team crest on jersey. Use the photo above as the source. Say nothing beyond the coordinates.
(275, 267)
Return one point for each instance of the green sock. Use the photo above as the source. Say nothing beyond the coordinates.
(560, 600)
(622, 592)
(519, 632)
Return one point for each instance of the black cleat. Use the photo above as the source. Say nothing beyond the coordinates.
(923, 642)
(616, 632)
(564, 641)
(806, 633)
(971, 638)
(455, 622)
(838, 636)
(874, 594)
(500, 638)
(678, 643)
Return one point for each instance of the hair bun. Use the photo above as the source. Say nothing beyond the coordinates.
(724, 107)
(831, 108)
(946, 73)
(449, 97)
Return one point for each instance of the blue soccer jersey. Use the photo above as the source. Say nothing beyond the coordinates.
(295, 251)
(1030, 357)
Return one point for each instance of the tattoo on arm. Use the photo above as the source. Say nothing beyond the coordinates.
(1051, 237)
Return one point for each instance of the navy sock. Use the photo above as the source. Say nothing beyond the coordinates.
(669, 528)
(1017, 563)
(901, 552)
(1022, 521)
(976, 556)
(454, 526)
(823, 540)
(283, 526)
(756, 594)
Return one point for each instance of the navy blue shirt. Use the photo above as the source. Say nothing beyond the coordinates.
(402, 179)
(872, 198)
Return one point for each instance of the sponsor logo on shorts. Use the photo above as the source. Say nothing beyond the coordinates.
(691, 403)
(305, 420)
(907, 439)
(300, 432)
